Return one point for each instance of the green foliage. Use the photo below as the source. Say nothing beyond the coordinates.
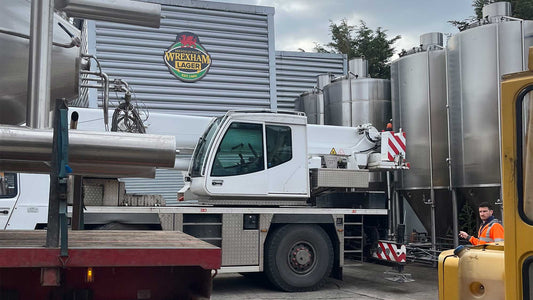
(467, 219)
(361, 41)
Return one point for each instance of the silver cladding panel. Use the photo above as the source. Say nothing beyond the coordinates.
(239, 247)
(476, 59)
(167, 221)
(352, 102)
(339, 178)
(296, 73)
(411, 86)
(93, 195)
(239, 39)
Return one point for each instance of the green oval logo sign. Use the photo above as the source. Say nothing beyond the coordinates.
(187, 59)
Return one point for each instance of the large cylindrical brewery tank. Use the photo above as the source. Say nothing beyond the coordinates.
(14, 58)
(476, 60)
(356, 99)
(312, 101)
(418, 88)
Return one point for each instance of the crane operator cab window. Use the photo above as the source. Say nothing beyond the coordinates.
(279, 145)
(8, 185)
(241, 150)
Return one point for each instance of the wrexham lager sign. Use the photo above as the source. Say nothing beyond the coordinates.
(187, 59)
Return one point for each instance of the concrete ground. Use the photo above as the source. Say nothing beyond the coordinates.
(360, 282)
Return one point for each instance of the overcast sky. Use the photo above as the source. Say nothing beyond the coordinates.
(301, 23)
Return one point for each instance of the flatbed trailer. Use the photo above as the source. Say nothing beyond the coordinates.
(107, 265)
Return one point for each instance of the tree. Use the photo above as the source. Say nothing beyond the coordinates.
(522, 9)
(361, 41)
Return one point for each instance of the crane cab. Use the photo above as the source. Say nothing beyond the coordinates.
(245, 155)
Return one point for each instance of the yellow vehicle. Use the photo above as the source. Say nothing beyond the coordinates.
(493, 271)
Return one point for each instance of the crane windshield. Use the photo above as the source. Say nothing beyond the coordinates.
(202, 148)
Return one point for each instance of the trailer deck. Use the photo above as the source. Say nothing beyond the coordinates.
(108, 248)
(124, 264)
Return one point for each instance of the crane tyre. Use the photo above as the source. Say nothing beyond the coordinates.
(298, 257)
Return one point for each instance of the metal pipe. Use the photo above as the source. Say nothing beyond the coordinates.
(455, 213)
(85, 169)
(455, 221)
(119, 11)
(105, 101)
(92, 86)
(39, 71)
(74, 117)
(389, 207)
(430, 141)
(433, 227)
(105, 87)
(398, 213)
(498, 74)
(118, 148)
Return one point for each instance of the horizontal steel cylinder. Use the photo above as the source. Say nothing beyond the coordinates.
(121, 11)
(22, 143)
(92, 169)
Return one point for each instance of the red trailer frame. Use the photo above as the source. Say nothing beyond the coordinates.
(123, 265)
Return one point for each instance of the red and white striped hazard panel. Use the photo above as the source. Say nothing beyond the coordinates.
(390, 251)
(392, 144)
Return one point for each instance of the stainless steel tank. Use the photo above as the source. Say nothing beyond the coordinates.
(312, 101)
(418, 83)
(312, 104)
(14, 53)
(476, 60)
(355, 99)
(418, 88)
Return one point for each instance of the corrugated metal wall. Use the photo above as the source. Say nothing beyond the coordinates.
(296, 73)
(239, 39)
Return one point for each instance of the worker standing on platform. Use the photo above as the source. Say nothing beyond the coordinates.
(490, 230)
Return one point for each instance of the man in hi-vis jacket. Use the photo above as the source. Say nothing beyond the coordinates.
(490, 230)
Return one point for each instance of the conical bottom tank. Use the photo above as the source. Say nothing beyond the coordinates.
(443, 217)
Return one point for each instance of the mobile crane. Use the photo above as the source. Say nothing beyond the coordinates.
(259, 178)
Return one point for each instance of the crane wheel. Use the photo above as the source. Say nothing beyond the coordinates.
(298, 257)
